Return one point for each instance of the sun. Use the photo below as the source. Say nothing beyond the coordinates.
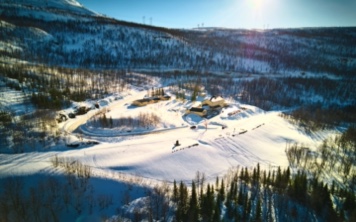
(256, 4)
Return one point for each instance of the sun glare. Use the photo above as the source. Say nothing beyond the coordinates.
(255, 4)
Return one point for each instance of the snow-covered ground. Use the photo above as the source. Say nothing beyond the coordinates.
(15, 100)
(250, 136)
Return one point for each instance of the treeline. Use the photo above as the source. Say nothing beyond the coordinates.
(296, 91)
(120, 46)
(316, 103)
(255, 196)
(55, 87)
(35, 131)
(49, 89)
(52, 199)
(241, 195)
(300, 51)
(144, 120)
(336, 156)
(315, 117)
(249, 195)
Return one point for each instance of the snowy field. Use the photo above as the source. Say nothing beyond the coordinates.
(249, 136)
(15, 100)
(126, 164)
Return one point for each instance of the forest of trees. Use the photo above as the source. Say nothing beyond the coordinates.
(54, 87)
(336, 156)
(242, 195)
(51, 197)
(314, 103)
(252, 195)
(49, 89)
(143, 120)
(28, 132)
(121, 45)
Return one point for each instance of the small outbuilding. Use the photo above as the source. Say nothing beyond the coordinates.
(146, 101)
(197, 110)
(214, 101)
(141, 102)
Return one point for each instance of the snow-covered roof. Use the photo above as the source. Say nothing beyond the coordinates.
(216, 98)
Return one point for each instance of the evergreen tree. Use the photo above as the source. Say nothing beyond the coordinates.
(350, 202)
(298, 187)
(278, 181)
(111, 122)
(221, 194)
(286, 177)
(242, 176)
(254, 176)
(258, 211)
(182, 206)
(241, 197)
(175, 197)
(246, 176)
(230, 195)
(229, 209)
(104, 121)
(217, 212)
(207, 205)
(264, 181)
(247, 208)
(217, 182)
(193, 212)
(268, 180)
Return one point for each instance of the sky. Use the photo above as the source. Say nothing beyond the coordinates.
(249, 14)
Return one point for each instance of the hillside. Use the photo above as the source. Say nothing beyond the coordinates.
(108, 120)
(60, 34)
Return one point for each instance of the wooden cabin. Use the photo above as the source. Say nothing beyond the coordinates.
(197, 110)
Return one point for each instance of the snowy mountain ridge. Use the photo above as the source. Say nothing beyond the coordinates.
(78, 142)
(123, 45)
(71, 6)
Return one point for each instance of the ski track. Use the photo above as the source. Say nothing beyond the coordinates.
(236, 152)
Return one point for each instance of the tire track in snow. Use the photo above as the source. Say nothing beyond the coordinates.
(237, 152)
(219, 142)
(245, 150)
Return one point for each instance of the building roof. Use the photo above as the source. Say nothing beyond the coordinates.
(142, 100)
(216, 98)
(196, 109)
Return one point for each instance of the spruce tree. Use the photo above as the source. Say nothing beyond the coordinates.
(182, 206)
(264, 181)
(175, 192)
(193, 211)
(104, 121)
(217, 212)
(207, 204)
(221, 194)
(246, 175)
(248, 208)
(258, 211)
(217, 182)
(240, 198)
(111, 122)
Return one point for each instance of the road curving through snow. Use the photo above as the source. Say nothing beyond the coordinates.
(72, 124)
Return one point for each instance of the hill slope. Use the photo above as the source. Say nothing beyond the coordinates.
(75, 31)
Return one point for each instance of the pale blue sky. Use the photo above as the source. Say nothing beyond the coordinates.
(230, 13)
